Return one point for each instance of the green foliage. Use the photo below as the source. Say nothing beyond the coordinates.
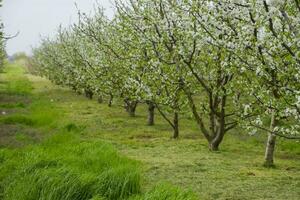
(20, 56)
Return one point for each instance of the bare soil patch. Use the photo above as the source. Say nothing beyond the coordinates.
(17, 136)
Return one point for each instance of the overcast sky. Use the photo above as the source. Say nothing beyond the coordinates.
(36, 18)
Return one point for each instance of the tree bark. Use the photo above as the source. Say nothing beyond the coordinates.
(88, 93)
(110, 101)
(216, 141)
(173, 124)
(74, 88)
(79, 92)
(100, 99)
(130, 107)
(196, 115)
(176, 126)
(218, 123)
(151, 108)
(213, 146)
(270, 148)
(131, 110)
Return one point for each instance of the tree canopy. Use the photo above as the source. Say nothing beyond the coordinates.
(227, 64)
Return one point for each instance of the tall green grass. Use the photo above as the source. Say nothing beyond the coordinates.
(65, 168)
(15, 81)
(39, 114)
(12, 105)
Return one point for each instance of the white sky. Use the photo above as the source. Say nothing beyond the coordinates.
(36, 18)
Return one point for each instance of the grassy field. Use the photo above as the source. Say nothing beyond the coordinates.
(49, 131)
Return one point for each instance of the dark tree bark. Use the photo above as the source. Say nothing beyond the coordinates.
(77, 90)
(214, 144)
(131, 110)
(88, 93)
(130, 106)
(74, 88)
(100, 99)
(110, 101)
(215, 132)
(151, 108)
(217, 139)
(176, 126)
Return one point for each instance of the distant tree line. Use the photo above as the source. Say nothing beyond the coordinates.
(2, 44)
(227, 63)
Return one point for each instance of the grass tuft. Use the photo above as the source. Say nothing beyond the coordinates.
(19, 119)
(71, 127)
(66, 168)
(167, 192)
(48, 184)
(118, 183)
(12, 105)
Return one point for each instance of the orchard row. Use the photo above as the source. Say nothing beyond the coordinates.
(2, 42)
(227, 64)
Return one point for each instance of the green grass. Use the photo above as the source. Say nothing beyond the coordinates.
(167, 192)
(64, 167)
(74, 131)
(12, 105)
(17, 83)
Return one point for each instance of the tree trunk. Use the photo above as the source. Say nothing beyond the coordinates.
(173, 124)
(217, 122)
(151, 108)
(215, 142)
(270, 148)
(79, 92)
(176, 126)
(196, 115)
(214, 146)
(269, 154)
(88, 93)
(110, 101)
(100, 99)
(74, 88)
(130, 107)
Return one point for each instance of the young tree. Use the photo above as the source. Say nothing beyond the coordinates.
(161, 81)
(274, 55)
(110, 44)
(178, 41)
(266, 50)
